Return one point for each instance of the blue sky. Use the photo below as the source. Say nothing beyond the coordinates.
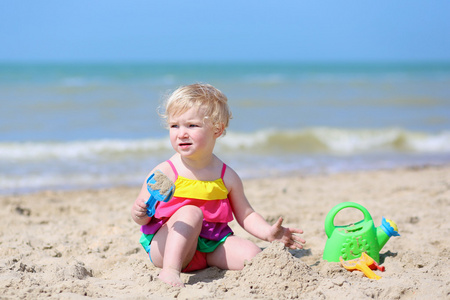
(235, 30)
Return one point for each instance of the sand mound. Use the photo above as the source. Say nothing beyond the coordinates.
(274, 273)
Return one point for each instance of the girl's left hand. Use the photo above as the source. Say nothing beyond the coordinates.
(288, 236)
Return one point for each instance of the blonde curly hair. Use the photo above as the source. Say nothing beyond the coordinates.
(199, 95)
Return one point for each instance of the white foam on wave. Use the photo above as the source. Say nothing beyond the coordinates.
(78, 149)
(434, 143)
(270, 142)
(90, 164)
(398, 140)
(338, 141)
(64, 181)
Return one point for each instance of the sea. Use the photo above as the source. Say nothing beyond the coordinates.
(96, 125)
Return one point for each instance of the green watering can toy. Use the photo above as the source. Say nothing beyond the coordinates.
(351, 241)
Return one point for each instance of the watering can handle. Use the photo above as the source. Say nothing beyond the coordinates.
(329, 220)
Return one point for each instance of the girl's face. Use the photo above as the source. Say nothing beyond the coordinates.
(191, 135)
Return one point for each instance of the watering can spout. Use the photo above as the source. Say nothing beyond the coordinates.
(387, 229)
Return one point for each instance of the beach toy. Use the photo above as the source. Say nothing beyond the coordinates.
(350, 241)
(364, 264)
(161, 188)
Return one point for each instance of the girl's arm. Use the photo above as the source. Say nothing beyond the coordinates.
(139, 208)
(253, 222)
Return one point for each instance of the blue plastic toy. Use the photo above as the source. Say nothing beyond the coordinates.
(161, 188)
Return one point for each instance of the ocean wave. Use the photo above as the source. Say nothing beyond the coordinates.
(270, 142)
(338, 141)
(27, 151)
(65, 181)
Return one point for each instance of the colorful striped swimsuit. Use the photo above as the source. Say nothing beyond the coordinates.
(210, 196)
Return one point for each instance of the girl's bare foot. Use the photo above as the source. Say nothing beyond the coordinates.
(171, 277)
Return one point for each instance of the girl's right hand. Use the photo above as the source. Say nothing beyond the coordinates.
(139, 212)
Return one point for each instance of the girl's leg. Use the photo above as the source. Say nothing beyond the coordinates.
(232, 253)
(174, 245)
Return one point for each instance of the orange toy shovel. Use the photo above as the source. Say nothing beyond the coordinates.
(362, 264)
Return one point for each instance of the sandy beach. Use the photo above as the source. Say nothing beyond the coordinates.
(78, 244)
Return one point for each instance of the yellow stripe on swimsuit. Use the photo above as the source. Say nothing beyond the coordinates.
(201, 190)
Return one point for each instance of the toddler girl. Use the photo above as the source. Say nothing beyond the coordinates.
(190, 232)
